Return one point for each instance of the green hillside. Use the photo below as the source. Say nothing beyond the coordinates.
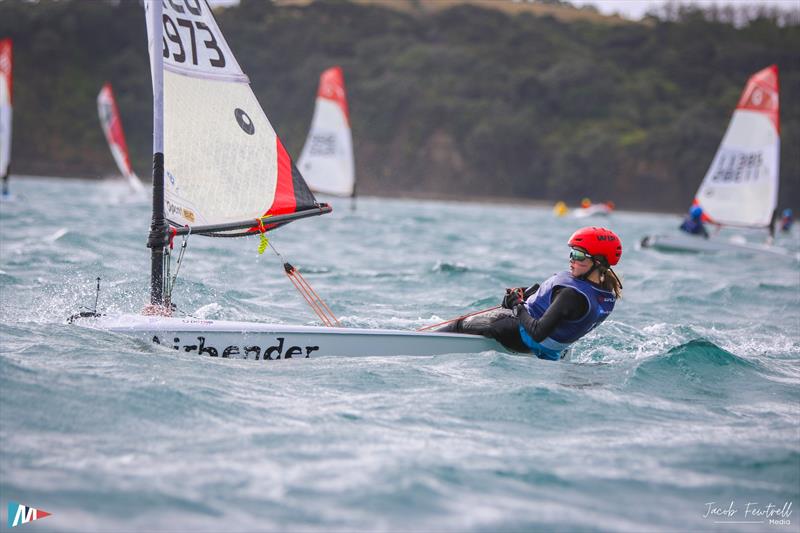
(466, 101)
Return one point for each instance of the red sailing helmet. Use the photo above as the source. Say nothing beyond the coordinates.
(598, 242)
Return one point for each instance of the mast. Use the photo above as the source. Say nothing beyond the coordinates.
(157, 240)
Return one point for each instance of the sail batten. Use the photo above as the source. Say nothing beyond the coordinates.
(223, 161)
(741, 185)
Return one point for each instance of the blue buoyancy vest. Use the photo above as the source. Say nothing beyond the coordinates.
(601, 303)
(693, 226)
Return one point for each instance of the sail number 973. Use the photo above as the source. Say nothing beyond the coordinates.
(181, 31)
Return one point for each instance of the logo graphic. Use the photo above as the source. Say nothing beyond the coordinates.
(22, 514)
(245, 122)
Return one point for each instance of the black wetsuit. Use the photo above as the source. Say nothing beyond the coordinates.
(503, 324)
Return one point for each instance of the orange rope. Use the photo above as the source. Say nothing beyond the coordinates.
(310, 301)
(312, 298)
(459, 318)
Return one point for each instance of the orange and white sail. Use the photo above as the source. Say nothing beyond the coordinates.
(6, 84)
(741, 186)
(326, 160)
(223, 162)
(112, 128)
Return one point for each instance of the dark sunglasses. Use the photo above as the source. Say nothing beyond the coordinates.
(578, 255)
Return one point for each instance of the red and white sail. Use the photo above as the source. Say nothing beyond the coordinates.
(112, 128)
(6, 84)
(741, 186)
(223, 161)
(326, 160)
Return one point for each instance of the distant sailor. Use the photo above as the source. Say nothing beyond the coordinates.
(787, 220)
(546, 319)
(693, 223)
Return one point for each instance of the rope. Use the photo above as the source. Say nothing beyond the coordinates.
(178, 263)
(167, 265)
(317, 304)
(458, 318)
(303, 287)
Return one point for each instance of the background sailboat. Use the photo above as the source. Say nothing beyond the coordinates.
(740, 188)
(112, 128)
(227, 174)
(326, 160)
(6, 85)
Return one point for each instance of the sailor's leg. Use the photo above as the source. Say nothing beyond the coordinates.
(500, 324)
(472, 325)
(505, 330)
(450, 327)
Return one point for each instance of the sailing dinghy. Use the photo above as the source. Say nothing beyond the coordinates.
(594, 210)
(112, 128)
(6, 65)
(740, 189)
(228, 174)
(326, 160)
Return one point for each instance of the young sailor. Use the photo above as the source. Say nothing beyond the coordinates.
(786, 220)
(546, 319)
(693, 223)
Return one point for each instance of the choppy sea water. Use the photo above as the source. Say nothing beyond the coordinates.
(681, 412)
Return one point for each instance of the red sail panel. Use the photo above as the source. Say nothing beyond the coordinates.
(6, 66)
(331, 87)
(285, 201)
(761, 94)
(291, 191)
(112, 125)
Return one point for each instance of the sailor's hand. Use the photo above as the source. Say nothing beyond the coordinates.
(530, 291)
(512, 298)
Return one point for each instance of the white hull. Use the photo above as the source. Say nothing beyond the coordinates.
(592, 211)
(252, 340)
(690, 243)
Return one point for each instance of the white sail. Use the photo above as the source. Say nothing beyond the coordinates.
(223, 161)
(112, 128)
(326, 160)
(741, 186)
(6, 65)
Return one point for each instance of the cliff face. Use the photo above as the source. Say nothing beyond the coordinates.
(465, 101)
